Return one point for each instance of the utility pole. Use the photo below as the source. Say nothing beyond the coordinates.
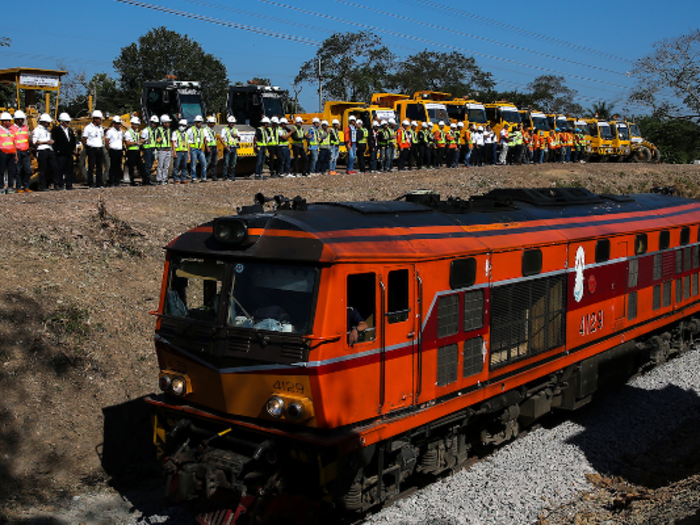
(320, 88)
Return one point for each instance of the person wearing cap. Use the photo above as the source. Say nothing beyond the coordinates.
(198, 149)
(312, 142)
(94, 141)
(285, 134)
(46, 157)
(298, 149)
(164, 152)
(148, 145)
(20, 130)
(403, 139)
(181, 152)
(372, 146)
(212, 155)
(8, 152)
(350, 134)
(229, 139)
(260, 146)
(334, 133)
(132, 144)
(114, 140)
(324, 148)
(64, 143)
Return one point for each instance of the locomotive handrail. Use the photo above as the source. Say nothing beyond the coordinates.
(382, 347)
(419, 340)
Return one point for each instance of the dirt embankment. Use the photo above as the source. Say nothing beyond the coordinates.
(81, 271)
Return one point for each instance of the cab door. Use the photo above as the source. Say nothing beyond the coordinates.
(398, 337)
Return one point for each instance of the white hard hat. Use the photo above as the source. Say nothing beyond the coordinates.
(97, 114)
(183, 122)
(441, 123)
(414, 123)
(298, 119)
(425, 125)
(198, 118)
(135, 120)
(351, 117)
(45, 117)
(335, 121)
(19, 114)
(64, 117)
(274, 120)
(453, 126)
(164, 119)
(392, 121)
(284, 121)
(375, 123)
(460, 124)
(211, 119)
(5, 116)
(324, 123)
(117, 120)
(384, 122)
(315, 119)
(265, 120)
(231, 119)
(480, 128)
(406, 123)
(359, 121)
(154, 118)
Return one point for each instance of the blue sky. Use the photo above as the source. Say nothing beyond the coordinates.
(592, 47)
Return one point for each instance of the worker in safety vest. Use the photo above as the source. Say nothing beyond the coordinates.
(334, 133)
(260, 146)
(298, 149)
(391, 145)
(21, 133)
(351, 136)
(273, 151)
(553, 145)
(468, 138)
(422, 158)
(324, 148)
(403, 140)
(149, 147)
(413, 156)
(229, 139)
(212, 148)
(284, 134)
(440, 142)
(453, 146)
(372, 147)
(164, 152)
(383, 145)
(362, 133)
(8, 153)
(312, 145)
(535, 145)
(181, 152)
(198, 149)
(132, 142)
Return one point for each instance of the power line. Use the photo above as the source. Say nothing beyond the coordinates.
(476, 37)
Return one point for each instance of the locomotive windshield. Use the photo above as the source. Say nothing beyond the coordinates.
(273, 297)
(194, 289)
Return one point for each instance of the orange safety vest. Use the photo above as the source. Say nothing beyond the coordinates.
(21, 137)
(7, 141)
(553, 142)
(402, 137)
(439, 138)
(452, 140)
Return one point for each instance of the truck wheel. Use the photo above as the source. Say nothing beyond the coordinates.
(641, 155)
(656, 156)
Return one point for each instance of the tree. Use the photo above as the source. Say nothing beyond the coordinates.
(453, 73)
(601, 110)
(4, 41)
(668, 79)
(162, 52)
(521, 100)
(677, 139)
(551, 94)
(353, 66)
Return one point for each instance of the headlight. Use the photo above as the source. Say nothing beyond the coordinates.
(275, 406)
(164, 382)
(178, 386)
(295, 410)
(230, 231)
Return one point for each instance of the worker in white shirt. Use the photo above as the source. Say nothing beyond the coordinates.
(149, 146)
(46, 157)
(114, 140)
(198, 149)
(212, 148)
(229, 138)
(93, 140)
(132, 142)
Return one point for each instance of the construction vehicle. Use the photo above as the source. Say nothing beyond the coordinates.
(600, 137)
(176, 98)
(534, 122)
(642, 149)
(502, 114)
(467, 111)
(575, 123)
(557, 121)
(28, 81)
(421, 108)
(621, 144)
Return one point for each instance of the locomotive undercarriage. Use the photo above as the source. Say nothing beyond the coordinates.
(204, 462)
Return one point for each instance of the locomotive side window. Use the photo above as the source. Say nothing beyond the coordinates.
(194, 289)
(685, 235)
(640, 244)
(462, 273)
(397, 297)
(473, 310)
(664, 239)
(602, 250)
(361, 289)
(532, 262)
(448, 315)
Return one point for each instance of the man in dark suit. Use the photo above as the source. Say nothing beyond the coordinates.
(64, 146)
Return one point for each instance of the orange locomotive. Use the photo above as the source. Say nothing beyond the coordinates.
(475, 317)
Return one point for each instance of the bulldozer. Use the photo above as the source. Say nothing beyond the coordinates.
(642, 149)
